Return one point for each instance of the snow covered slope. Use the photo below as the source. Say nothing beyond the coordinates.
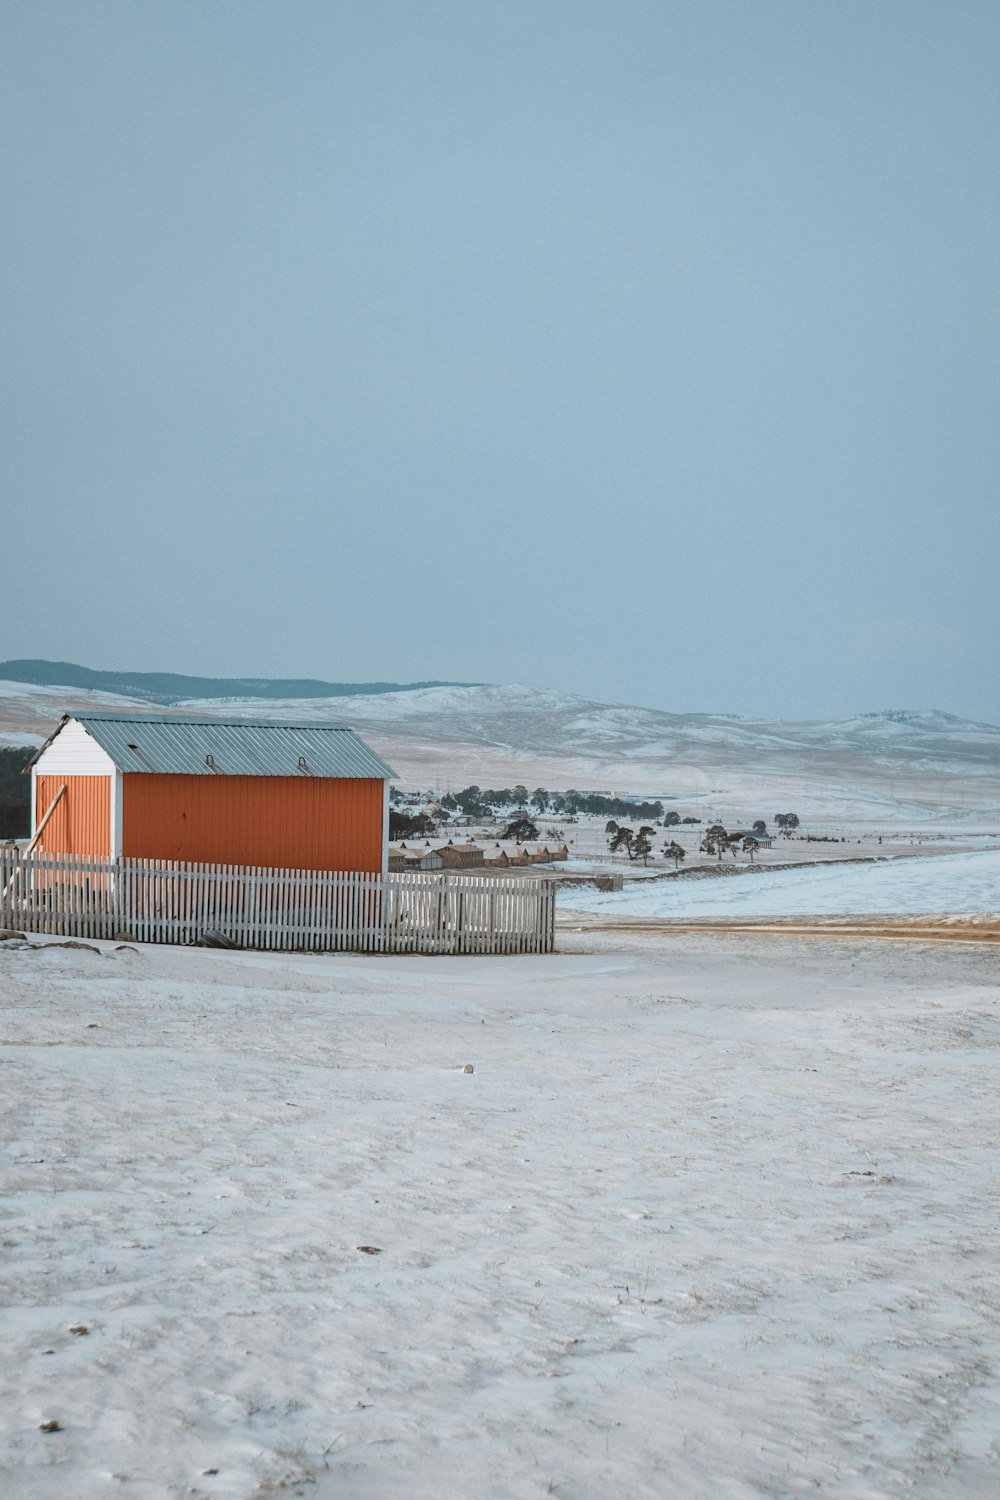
(968, 883)
(896, 763)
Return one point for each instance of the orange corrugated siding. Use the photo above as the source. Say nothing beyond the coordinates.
(81, 824)
(293, 822)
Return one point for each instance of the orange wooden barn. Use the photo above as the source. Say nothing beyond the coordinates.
(212, 791)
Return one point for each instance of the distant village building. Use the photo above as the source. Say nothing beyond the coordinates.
(542, 854)
(467, 856)
(472, 855)
(414, 857)
(211, 791)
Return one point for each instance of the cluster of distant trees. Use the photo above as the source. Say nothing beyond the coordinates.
(718, 842)
(15, 792)
(420, 825)
(637, 843)
(520, 829)
(484, 802)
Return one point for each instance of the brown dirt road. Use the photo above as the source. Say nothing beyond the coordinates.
(951, 929)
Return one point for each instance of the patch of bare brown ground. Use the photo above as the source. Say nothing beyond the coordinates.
(948, 928)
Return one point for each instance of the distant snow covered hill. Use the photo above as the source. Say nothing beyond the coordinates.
(864, 765)
(523, 718)
(891, 766)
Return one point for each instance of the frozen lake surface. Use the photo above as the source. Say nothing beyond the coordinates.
(908, 886)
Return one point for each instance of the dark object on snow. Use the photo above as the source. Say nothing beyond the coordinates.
(370, 1249)
(84, 947)
(468, 1068)
(80, 1328)
(213, 939)
(7, 935)
(50, 1426)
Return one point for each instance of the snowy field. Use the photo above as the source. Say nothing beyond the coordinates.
(711, 1219)
(907, 886)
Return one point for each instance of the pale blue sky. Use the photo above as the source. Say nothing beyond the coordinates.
(644, 350)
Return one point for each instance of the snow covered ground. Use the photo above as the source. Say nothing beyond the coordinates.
(710, 1218)
(906, 886)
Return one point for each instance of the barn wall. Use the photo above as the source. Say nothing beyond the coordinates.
(294, 822)
(81, 824)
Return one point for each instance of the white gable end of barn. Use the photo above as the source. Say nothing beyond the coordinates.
(74, 752)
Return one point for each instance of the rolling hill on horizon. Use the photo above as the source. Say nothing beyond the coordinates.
(893, 763)
(169, 688)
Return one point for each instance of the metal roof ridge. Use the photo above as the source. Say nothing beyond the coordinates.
(87, 718)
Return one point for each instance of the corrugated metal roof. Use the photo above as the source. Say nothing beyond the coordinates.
(233, 747)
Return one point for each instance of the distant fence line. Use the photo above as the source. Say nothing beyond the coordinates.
(165, 901)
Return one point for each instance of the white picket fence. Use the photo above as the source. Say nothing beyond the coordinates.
(162, 901)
